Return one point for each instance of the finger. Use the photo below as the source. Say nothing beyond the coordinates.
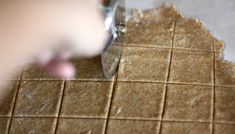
(45, 57)
(60, 69)
(84, 29)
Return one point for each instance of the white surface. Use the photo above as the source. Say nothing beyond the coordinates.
(218, 17)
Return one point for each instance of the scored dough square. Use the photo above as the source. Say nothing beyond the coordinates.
(188, 103)
(193, 42)
(137, 100)
(144, 64)
(191, 67)
(39, 98)
(86, 99)
(140, 34)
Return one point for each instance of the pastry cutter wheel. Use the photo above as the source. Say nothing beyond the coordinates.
(115, 16)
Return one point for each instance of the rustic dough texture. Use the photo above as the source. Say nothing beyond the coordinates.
(187, 102)
(185, 128)
(193, 42)
(132, 127)
(86, 99)
(9, 95)
(164, 84)
(4, 124)
(33, 125)
(191, 67)
(224, 129)
(81, 126)
(224, 72)
(88, 69)
(190, 26)
(161, 40)
(138, 37)
(144, 64)
(32, 72)
(151, 28)
(225, 104)
(138, 100)
(219, 46)
(38, 98)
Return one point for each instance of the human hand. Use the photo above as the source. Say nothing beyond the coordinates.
(50, 32)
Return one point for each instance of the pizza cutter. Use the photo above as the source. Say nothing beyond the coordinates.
(115, 15)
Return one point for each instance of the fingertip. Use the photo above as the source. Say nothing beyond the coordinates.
(62, 70)
(68, 71)
(45, 57)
